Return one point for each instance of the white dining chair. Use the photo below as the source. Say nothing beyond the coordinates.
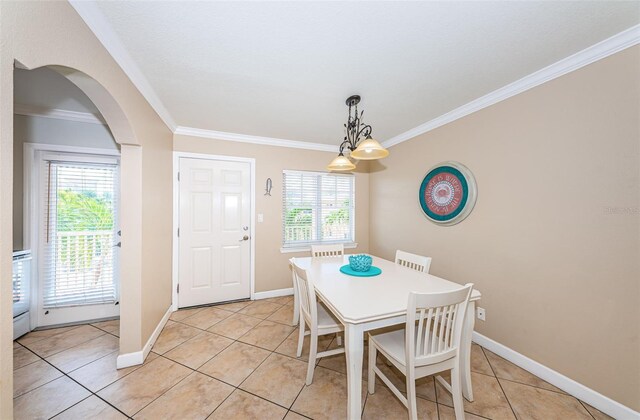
(317, 251)
(314, 315)
(333, 250)
(413, 261)
(432, 346)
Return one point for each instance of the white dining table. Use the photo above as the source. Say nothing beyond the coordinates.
(367, 303)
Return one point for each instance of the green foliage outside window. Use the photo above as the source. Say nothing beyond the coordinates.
(83, 211)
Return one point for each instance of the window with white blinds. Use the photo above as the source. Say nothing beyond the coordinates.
(317, 207)
(78, 235)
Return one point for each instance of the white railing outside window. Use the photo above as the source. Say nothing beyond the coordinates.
(83, 269)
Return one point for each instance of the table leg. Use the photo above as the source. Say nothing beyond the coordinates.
(354, 349)
(465, 353)
(296, 303)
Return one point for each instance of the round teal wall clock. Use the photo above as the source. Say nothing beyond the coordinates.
(448, 193)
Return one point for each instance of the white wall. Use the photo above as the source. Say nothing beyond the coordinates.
(29, 129)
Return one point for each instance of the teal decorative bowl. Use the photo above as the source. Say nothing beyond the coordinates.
(360, 262)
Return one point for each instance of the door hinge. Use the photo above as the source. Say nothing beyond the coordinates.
(178, 288)
(178, 176)
(178, 232)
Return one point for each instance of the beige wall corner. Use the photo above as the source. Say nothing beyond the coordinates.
(157, 229)
(272, 269)
(131, 339)
(6, 230)
(553, 243)
(52, 34)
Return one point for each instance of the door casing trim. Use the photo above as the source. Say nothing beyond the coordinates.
(176, 215)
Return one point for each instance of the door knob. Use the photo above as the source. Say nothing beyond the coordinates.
(244, 238)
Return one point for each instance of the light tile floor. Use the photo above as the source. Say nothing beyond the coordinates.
(237, 361)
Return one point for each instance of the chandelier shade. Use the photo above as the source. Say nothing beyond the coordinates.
(369, 149)
(341, 163)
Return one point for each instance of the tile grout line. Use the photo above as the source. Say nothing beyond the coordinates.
(296, 413)
(499, 384)
(519, 382)
(76, 382)
(30, 351)
(192, 338)
(222, 320)
(51, 336)
(236, 341)
(221, 402)
(68, 348)
(168, 389)
(300, 392)
(263, 398)
(585, 407)
(67, 374)
(47, 362)
(544, 389)
(88, 363)
(220, 380)
(260, 364)
(70, 407)
(435, 389)
(196, 370)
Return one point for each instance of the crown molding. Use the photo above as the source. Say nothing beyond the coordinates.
(59, 114)
(95, 20)
(603, 49)
(245, 138)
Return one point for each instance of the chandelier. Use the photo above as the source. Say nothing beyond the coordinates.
(356, 130)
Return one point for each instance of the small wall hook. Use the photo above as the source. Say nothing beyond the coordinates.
(268, 186)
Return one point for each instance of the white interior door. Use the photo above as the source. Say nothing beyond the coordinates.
(214, 240)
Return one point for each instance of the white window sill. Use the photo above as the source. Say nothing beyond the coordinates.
(350, 245)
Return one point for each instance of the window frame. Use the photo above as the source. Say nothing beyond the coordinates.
(306, 246)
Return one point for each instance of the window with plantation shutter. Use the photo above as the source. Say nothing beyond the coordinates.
(317, 207)
(78, 233)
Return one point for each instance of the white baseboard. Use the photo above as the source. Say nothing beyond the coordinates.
(273, 293)
(588, 395)
(129, 359)
(138, 357)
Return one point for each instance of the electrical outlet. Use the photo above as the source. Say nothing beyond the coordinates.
(480, 314)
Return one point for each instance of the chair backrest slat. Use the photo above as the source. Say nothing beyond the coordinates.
(420, 327)
(434, 345)
(323, 251)
(413, 261)
(450, 320)
(434, 324)
(429, 317)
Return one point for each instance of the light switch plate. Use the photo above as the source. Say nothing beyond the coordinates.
(260, 217)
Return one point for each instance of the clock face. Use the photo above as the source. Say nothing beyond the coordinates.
(447, 193)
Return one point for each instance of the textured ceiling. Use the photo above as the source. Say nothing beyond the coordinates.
(284, 69)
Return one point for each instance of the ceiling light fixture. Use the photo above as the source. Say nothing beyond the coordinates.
(355, 130)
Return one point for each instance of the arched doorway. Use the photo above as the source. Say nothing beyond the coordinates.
(130, 195)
